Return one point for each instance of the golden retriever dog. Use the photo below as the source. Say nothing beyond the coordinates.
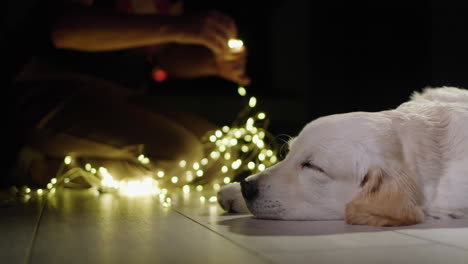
(389, 168)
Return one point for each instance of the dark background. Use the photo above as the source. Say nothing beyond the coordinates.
(309, 58)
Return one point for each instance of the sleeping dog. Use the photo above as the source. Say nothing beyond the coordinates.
(388, 168)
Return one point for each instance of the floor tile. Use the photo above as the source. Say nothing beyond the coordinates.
(427, 254)
(81, 227)
(18, 221)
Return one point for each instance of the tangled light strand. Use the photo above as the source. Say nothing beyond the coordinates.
(246, 147)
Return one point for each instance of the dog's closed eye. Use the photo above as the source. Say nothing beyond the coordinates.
(310, 165)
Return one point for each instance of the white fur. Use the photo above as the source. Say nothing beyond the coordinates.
(426, 139)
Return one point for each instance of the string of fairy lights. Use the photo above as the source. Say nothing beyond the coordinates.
(244, 148)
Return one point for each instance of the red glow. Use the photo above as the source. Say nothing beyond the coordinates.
(159, 75)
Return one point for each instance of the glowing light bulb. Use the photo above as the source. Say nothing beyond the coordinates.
(227, 180)
(213, 138)
(39, 192)
(214, 154)
(204, 161)
(174, 179)
(160, 174)
(186, 189)
(199, 173)
(196, 166)
(66, 180)
(213, 199)
(227, 156)
(88, 167)
(218, 133)
(244, 148)
(216, 187)
(236, 164)
(269, 153)
(224, 169)
(238, 134)
(233, 142)
(50, 186)
(249, 124)
(199, 188)
(225, 129)
(202, 199)
(93, 170)
(235, 44)
(53, 180)
(261, 167)
(261, 116)
(222, 148)
(261, 156)
(67, 160)
(182, 163)
(273, 159)
(251, 165)
(252, 102)
(27, 190)
(141, 157)
(241, 90)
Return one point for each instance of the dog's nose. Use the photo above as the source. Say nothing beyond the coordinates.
(249, 189)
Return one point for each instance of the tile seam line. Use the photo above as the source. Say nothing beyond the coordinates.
(433, 241)
(227, 238)
(36, 230)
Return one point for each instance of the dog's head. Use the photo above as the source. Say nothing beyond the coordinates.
(342, 166)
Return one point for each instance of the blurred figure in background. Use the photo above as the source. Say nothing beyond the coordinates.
(68, 102)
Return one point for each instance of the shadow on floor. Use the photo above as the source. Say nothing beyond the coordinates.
(256, 227)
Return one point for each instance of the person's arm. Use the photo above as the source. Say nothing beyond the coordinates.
(89, 29)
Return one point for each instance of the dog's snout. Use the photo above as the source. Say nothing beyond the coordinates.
(249, 189)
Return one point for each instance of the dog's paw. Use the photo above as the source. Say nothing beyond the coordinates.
(438, 213)
(231, 200)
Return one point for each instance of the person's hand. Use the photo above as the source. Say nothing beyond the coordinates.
(211, 29)
(192, 61)
(232, 67)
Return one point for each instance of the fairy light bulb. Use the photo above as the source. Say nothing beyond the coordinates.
(160, 174)
(261, 167)
(227, 180)
(196, 166)
(251, 165)
(225, 129)
(182, 163)
(261, 116)
(213, 199)
(252, 102)
(204, 161)
(53, 180)
(241, 91)
(244, 148)
(216, 187)
(67, 160)
(186, 189)
(218, 133)
(199, 173)
(199, 188)
(235, 44)
(224, 169)
(174, 179)
(212, 138)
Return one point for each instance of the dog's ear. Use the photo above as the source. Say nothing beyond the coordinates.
(386, 200)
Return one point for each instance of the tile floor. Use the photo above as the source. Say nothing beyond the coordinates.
(82, 226)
